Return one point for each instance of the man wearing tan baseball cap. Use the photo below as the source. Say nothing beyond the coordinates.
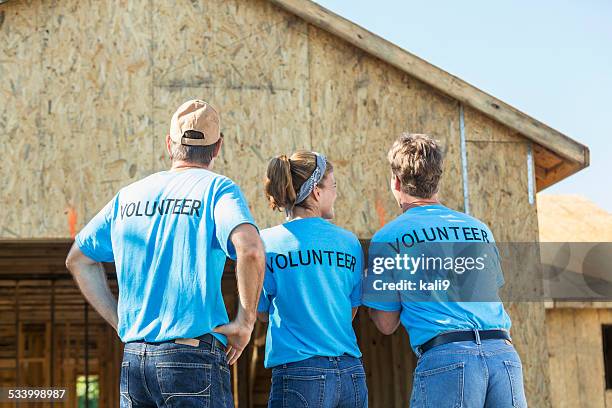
(169, 235)
(198, 116)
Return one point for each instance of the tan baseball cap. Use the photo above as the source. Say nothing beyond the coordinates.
(199, 116)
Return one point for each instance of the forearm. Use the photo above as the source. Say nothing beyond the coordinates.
(91, 280)
(386, 322)
(249, 275)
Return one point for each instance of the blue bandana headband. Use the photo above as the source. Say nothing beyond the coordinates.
(313, 180)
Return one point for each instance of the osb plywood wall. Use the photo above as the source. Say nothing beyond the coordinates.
(576, 357)
(88, 89)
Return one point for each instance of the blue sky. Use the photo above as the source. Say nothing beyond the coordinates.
(550, 59)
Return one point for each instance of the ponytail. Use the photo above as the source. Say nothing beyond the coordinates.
(279, 185)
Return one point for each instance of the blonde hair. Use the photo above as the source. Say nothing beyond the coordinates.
(285, 176)
(417, 161)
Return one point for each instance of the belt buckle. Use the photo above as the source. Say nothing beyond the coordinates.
(188, 342)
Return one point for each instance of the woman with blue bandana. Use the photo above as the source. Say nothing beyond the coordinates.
(312, 289)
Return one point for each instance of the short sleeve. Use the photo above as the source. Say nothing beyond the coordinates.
(385, 307)
(94, 240)
(230, 211)
(267, 292)
(386, 300)
(357, 277)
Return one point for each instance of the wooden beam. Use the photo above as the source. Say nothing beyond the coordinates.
(439, 79)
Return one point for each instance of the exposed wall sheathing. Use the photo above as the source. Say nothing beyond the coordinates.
(82, 82)
(576, 357)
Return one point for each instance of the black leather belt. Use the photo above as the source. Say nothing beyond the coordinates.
(194, 342)
(464, 335)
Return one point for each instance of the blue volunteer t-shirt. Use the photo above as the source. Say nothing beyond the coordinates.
(312, 282)
(168, 235)
(442, 235)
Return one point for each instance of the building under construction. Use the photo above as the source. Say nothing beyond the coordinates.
(87, 92)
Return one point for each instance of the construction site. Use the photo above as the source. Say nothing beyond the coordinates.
(86, 95)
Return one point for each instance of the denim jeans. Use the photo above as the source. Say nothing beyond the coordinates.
(469, 374)
(319, 382)
(175, 375)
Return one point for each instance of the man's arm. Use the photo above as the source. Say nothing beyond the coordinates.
(250, 262)
(386, 322)
(90, 277)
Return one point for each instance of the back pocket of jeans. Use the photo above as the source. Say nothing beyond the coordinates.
(184, 383)
(303, 391)
(440, 387)
(515, 373)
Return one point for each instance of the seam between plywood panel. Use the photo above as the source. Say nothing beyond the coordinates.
(308, 46)
(153, 135)
(464, 164)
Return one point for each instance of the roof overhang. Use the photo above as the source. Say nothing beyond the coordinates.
(556, 155)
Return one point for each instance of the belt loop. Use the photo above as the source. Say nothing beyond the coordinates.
(216, 346)
(418, 352)
(477, 337)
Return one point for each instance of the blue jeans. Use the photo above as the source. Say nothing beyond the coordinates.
(175, 375)
(469, 374)
(319, 382)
